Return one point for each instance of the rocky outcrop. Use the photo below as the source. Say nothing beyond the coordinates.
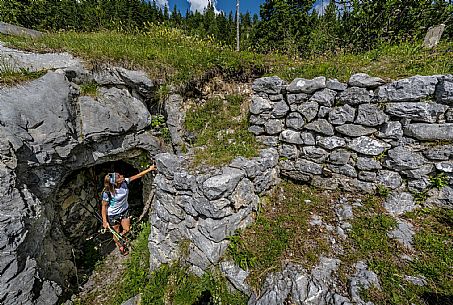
(194, 213)
(360, 135)
(48, 131)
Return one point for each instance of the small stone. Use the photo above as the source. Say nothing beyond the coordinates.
(280, 110)
(308, 138)
(368, 146)
(341, 115)
(339, 157)
(268, 85)
(408, 89)
(291, 136)
(301, 85)
(446, 167)
(256, 130)
(259, 105)
(421, 111)
(352, 130)
(323, 112)
(389, 179)
(391, 130)
(365, 81)
(274, 127)
(367, 176)
(295, 99)
(315, 153)
(324, 97)
(399, 202)
(309, 110)
(430, 132)
(367, 164)
(402, 158)
(321, 126)
(355, 96)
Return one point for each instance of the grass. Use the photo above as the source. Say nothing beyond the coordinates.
(432, 258)
(387, 62)
(163, 52)
(169, 54)
(220, 127)
(11, 77)
(89, 89)
(282, 232)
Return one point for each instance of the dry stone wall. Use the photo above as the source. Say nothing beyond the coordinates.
(194, 213)
(363, 135)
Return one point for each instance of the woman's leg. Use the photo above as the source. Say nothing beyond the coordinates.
(117, 229)
(126, 224)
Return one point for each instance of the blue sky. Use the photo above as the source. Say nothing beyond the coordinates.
(253, 6)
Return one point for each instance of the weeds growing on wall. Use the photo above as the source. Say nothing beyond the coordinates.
(221, 131)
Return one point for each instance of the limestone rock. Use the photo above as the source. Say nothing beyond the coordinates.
(430, 132)
(290, 136)
(409, 89)
(368, 146)
(399, 202)
(367, 164)
(341, 115)
(321, 126)
(16, 60)
(268, 85)
(370, 115)
(420, 111)
(301, 85)
(389, 179)
(309, 110)
(236, 276)
(295, 121)
(444, 90)
(352, 130)
(330, 142)
(280, 110)
(401, 158)
(334, 84)
(218, 186)
(325, 97)
(365, 81)
(259, 105)
(403, 233)
(355, 96)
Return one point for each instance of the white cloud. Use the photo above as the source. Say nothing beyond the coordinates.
(200, 5)
(162, 3)
(321, 7)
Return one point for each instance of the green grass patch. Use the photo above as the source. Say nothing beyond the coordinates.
(387, 61)
(282, 232)
(12, 77)
(432, 258)
(221, 130)
(163, 52)
(89, 89)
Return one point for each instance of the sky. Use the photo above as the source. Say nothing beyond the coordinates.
(252, 6)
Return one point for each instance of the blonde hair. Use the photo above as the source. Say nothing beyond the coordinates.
(108, 187)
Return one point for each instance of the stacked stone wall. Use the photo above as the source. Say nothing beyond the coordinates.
(194, 213)
(363, 135)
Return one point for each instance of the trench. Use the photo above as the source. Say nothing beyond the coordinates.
(80, 211)
(67, 239)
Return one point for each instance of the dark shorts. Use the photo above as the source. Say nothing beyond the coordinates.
(116, 219)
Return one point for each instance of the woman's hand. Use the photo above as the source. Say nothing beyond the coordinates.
(152, 168)
(105, 224)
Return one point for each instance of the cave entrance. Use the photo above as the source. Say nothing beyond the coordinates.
(80, 213)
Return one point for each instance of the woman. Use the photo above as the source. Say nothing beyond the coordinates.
(115, 208)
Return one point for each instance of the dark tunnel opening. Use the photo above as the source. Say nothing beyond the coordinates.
(80, 216)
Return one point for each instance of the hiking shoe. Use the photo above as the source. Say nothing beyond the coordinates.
(123, 250)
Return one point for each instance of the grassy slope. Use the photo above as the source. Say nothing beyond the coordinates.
(177, 58)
